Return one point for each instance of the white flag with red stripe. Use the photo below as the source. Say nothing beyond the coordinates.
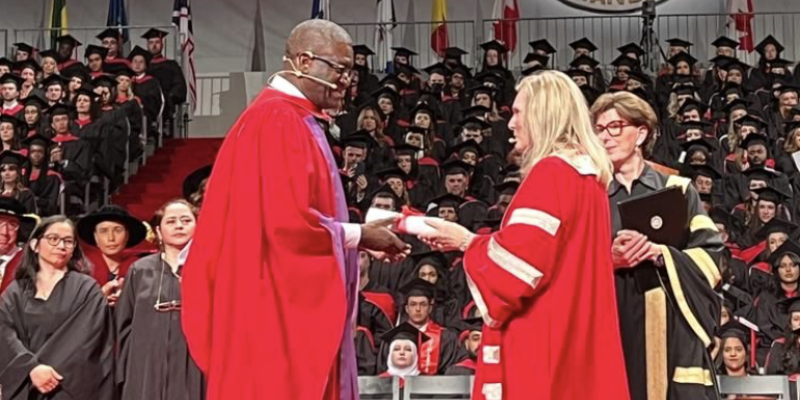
(740, 23)
(506, 15)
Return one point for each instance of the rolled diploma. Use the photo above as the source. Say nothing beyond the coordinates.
(410, 224)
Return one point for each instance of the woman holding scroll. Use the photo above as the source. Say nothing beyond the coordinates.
(544, 281)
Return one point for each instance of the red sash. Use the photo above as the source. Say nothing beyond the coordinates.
(468, 363)
(61, 138)
(429, 351)
(368, 334)
(13, 110)
(384, 302)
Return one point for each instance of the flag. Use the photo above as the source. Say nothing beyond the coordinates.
(740, 23)
(118, 17)
(505, 15)
(182, 18)
(259, 59)
(439, 40)
(58, 20)
(321, 9)
(410, 34)
(386, 22)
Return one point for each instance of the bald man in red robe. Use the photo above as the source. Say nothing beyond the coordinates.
(274, 261)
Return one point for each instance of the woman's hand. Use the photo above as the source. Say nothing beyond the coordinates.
(448, 236)
(111, 291)
(45, 378)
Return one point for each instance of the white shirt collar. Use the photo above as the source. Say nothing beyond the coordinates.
(12, 105)
(283, 85)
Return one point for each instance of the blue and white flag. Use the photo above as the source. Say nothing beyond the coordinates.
(384, 30)
(321, 9)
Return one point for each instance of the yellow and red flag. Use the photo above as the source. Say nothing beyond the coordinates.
(439, 40)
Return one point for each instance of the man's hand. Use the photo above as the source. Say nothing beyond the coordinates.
(45, 378)
(377, 238)
(629, 249)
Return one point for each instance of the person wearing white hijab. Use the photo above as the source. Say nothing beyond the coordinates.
(404, 341)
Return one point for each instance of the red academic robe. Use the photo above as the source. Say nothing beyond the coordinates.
(268, 270)
(545, 286)
(11, 270)
(100, 270)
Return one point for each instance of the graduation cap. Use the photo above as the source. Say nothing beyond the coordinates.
(683, 57)
(50, 54)
(448, 200)
(22, 46)
(95, 49)
(81, 73)
(61, 109)
(509, 187)
(790, 126)
(69, 40)
(36, 100)
(684, 90)
(474, 123)
(474, 324)
(469, 145)
(7, 63)
(405, 331)
(691, 105)
(438, 68)
(386, 190)
(478, 89)
(385, 92)
(420, 288)
(454, 167)
(37, 140)
(27, 64)
(12, 207)
(738, 104)
(475, 111)
(139, 51)
(785, 88)
(389, 173)
(705, 170)
(153, 33)
(363, 50)
(639, 76)
(583, 43)
(112, 33)
(461, 70)
(10, 119)
(695, 125)
(724, 41)
(8, 157)
(703, 143)
(454, 53)
(722, 61)
(540, 58)
(573, 73)
(12, 78)
(105, 81)
(754, 139)
(780, 63)
(770, 194)
(530, 71)
(776, 225)
(118, 69)
(792, 304)
(760, 173)
(360, 139)
(542, 45)
(735, 64)
(734, 329)
(625, 61)
(490, 77)
(769, 40)
(405, 69)
(402, 51)
(751, 120)
(405, 149)
(631, 48)
(423, 107)
(434, 258)
(192, 182)
(496, 45)
(583, 59)
(677, 42)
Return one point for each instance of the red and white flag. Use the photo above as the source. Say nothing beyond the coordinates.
(506, 15)
(182, 18)
(740, 23)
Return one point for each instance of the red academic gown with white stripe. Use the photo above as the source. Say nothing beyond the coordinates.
(268, 271)
(545, 286)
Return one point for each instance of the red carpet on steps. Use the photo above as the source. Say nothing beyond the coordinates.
(162, 178)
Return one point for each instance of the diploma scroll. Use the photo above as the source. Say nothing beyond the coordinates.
(407, 223)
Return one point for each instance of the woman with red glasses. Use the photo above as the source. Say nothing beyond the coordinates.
(665, 295)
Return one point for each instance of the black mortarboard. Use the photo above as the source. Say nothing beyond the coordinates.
(474, 122)
(572, 73)
(770, 194)
(50, 54)
(767, 41)
(754, 139)
(738, 104)
(417, 130)
(37, 100)
(692, 125)
(22, 46)
(139, 51)
(434, 258)
(402, 51)
(61, 109)
(29, 63)
(530, 71)
(509, 187)
(475, 111)
(462, 70)
(473, 91)
(80, 72)
(12, 78)
(736, 64)
(469, 145)
(705, 170)
(453, 167)
(541, 59)
(191, 184)
(418, 287)
(406, 149)
(683, 56)
(724, 41)
(774, 226)
(791, 304)
(118, 69)
(386, 92)
(10, 119)
(704, 142)
(405, 331)
(423, 107)
(454, 53)
(734, 329)
(583, 59)
(53, 80)
(583, 43)
(789, 88)
(389, 173)
(722, 61)
(489, 76)
(542, 45)
(68, 39)
(405, 69)
(790, 126)
(448, 200)
(105, 81)
(684, 90)
(625, 61)
(781, 63)
(692, 104)
(677, 42)
(154, 33)
(37, 139)
(473, 324)
(8, 63)
(12, 158)
(760, 173)
(631, 48)
(112, 33)
(95, 49)
(386, 190)
(496, 45)
(438, 68)
(361, 139)
(751, 120)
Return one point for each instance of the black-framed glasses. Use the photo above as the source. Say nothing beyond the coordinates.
(165, 306)
(339, 68)
(55, 240)
(614, 128)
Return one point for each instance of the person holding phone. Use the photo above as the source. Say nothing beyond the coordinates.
(667, 305)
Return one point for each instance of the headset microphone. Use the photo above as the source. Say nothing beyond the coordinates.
(295, 72)
(512, 140)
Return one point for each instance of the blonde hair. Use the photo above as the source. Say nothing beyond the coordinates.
(790, 145)
(557, 121)
(633, 109)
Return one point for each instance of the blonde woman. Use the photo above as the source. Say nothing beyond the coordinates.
(649, 274)
(544, 281)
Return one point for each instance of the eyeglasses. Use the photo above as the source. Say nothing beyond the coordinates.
(165, 306)
(614, 128)
(339, 68)
(55, 240)
(12, 226)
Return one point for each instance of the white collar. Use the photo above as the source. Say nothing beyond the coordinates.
(14, 104)
(283, 85)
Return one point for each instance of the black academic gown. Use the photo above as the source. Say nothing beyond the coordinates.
(28, 200)
(154, 361)
(678, 301)
(46, 188)
(148, 90)
(170, 77)
(133, 111)
(366, 353)
(449, 352)
(72, 331)
(78, 157)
